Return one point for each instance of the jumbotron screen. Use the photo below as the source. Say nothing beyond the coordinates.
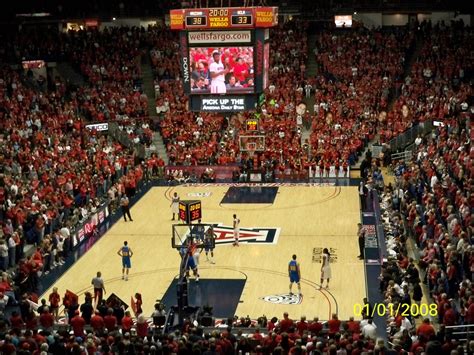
(222, 70)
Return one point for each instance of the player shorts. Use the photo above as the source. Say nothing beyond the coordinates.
(326, 273)
(126, 263)
(294, 278)
(191, 263)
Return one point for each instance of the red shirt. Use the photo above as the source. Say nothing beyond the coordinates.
(54, 299)
(315, 327)
(46, 320)
(110, 322)
(142, 329)
(16, 322)
(426, 330)
(97, 322)
(127, 323)
(301, 326)
(334, 326)
(286, 324)
(77, 324)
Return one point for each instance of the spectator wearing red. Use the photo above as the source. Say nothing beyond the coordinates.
(127, 322)
(54, 301)
(110, 321)
(46, 319)
(286, 323)
(142, 326)
(78, 323)
(97, 323)
(16, 321)
(334, 325)
(425, 329)
(302, 325)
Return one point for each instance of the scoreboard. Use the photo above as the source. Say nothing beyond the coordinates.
(234, 39)
(189, 211)
(224, 18)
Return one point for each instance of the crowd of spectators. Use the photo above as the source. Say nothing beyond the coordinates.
(55, 173)
(430, 204)
(358, 70)
(438, 81)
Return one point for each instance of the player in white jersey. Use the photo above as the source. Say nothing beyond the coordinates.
(236, 230)
(218, 72)
(326, 268)
(175, 205)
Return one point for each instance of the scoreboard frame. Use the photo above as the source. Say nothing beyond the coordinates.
(189, 210)
(215, 25)
(224, 18)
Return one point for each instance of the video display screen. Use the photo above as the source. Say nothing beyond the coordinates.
(343, 21)
(222, 70)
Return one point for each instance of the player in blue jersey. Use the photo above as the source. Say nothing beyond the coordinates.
(294, 273)
(126, 253)
(209, 245)
(192, 254)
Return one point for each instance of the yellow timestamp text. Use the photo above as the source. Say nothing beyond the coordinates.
(392, 310)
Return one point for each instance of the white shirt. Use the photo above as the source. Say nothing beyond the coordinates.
(370, 331)
(236, 223)
(216, 68)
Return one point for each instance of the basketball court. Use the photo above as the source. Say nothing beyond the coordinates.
(251, 279)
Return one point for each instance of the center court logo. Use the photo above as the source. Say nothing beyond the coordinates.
(285, 298)
(200, 194)
(256, 235)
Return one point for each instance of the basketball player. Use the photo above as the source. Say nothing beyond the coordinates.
(236, 231)
(175, 205)
(218, 72)
(191, 251)
(325, 268)
(126, 253)
(199, 231)
(208, 245)
(294, 272)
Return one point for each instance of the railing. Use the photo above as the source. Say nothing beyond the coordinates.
(406, 155)
(407, 137)
(123, 138)
(461, 332)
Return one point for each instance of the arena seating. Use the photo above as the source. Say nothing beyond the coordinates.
(50, 182)
(436, 83)
(358, 70)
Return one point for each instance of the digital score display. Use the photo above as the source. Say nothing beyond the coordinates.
(183, 211)
(196, 21)
(190, 211)
(252, 125)
(195, 211)
(224, 18)
(242, 20)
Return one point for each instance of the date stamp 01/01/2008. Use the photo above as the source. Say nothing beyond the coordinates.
(392, 310)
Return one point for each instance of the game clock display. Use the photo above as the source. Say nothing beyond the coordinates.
(190, 211)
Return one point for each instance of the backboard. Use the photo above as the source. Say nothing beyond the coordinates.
(200, 234)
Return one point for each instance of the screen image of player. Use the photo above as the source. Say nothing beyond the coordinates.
(222, 70)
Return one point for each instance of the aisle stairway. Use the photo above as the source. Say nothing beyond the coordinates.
(70, 75)
(148, 78)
